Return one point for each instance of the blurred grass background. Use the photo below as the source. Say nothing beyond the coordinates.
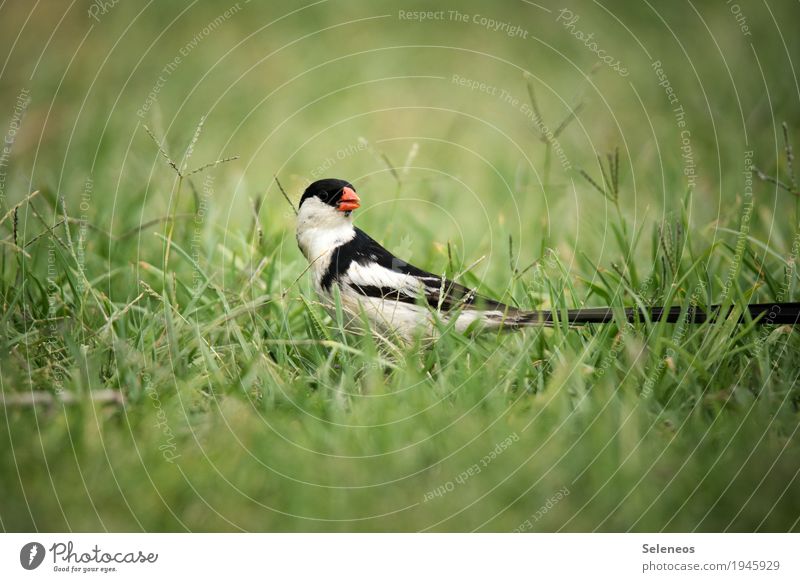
(214, 394)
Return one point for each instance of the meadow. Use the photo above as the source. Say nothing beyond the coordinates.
(166, 366)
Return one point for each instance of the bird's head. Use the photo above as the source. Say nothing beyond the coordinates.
(329, 201)
(323, 218)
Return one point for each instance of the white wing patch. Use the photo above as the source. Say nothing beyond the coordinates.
(376, 276)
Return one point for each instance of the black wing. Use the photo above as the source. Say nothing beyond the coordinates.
(439, 293)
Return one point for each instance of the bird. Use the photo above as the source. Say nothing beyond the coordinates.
(405, 301)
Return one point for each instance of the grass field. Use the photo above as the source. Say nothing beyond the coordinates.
(166, 366)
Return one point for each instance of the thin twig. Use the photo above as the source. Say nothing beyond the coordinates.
(604, 174)
(390, 165)
(789, 157)
(766, 178)
(163, 152)
(519, 274)
(36, 397)
(121, 312)
(49, 230)
(256, 230)
(285, 195)
(48, 227)
(450, 266)
(300, 276)
(196, 196)
(468, 269)
(211, 165)
(511, 254)
(128, 233)
(592, 182)
(17, 205)
(192, 143)
(570, 116)
(15, 248)
(412, 154)
(532, 97)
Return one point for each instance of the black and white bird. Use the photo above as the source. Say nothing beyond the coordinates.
(405, 300)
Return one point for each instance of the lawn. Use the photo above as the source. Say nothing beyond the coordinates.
(166, 366)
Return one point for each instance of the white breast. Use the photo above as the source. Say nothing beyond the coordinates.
(320, 230)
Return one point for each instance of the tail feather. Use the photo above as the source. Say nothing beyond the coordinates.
(764, 313)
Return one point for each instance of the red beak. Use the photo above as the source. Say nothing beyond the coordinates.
(349, 200)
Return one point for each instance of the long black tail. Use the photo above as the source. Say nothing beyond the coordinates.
(764, 313)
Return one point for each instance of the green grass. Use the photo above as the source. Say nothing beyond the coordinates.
(210, 391)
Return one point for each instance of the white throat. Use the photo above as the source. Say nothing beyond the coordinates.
(320, 230)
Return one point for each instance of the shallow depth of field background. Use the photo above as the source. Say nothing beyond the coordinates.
(211, 392)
